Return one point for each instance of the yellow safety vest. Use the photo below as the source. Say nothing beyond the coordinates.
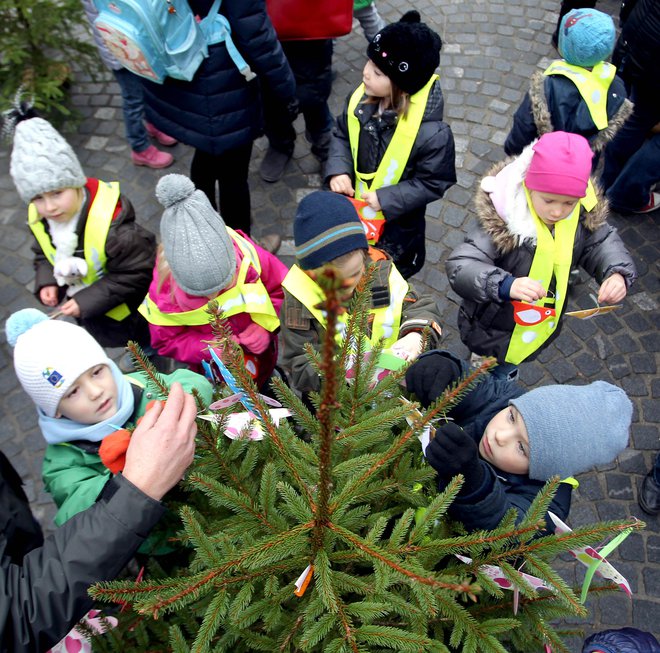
(99, 218)
(397, 153)
(243, 297)
(592, 84)
(552, 258)
(386, 319)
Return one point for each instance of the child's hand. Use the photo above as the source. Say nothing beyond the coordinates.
(612, 290)
(48, 295)
(342, 184)
(409, 347)
(452, 452)
(70, 308)
(371, 198)
(526, 290)
(255, 338)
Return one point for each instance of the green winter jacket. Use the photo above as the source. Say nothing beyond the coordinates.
(74, 473)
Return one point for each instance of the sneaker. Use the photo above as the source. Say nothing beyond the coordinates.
(649, 495)
(273, 165)
(162, 138)
(152, 158)
(653, 205)
(270, 242)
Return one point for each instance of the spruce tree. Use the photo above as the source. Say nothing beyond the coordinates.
(345, 490)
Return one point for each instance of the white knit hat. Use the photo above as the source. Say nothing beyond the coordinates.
(42, 161)
(49, 355)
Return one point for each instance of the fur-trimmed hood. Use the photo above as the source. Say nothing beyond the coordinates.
(502, 206)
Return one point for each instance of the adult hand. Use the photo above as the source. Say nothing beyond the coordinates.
(163, 444)
(371, 198)
(342, 184)
(48, 295)
(526, 290)
(612, 290)
(452, 452)
(409, 347)
(70, 308)
(254, 338)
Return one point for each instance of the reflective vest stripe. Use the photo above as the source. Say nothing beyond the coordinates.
(593, 85)
(243, 297)
(386, 319)
(391, 167)
(99, 219)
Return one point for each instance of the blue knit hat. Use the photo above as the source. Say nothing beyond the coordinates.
(572, 428)
(586, 37)
(326, 227)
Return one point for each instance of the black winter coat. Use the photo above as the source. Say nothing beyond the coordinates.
(218, 110)
(45, 595)
(493, 251)
(637, 50)
(554, 103)
(429, 173)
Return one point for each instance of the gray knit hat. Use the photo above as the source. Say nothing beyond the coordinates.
(42, 161)
(197, 246)
(572, 428)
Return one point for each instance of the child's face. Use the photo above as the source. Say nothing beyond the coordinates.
(92, 398)
(505, 443)
(552, 208)
(376, 82)
(351, 266)
(59, 205)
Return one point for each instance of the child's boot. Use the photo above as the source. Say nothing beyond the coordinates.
(161, 137)
(152, 158)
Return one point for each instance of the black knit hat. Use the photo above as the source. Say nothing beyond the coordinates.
(408, 52)
(326, 227)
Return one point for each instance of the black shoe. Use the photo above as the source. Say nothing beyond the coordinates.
(320, 146)
(649, 495)
(273, 165)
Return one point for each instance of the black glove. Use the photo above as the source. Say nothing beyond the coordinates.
(452, 452)
(428, 377)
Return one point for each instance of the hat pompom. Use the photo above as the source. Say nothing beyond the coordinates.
(172, 189)
(411, 16)
(21, 321)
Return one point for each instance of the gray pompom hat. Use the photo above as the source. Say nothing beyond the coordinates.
(572, 428)
(42, 161)
(197, 246)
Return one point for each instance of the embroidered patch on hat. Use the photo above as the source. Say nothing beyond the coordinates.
(53, 377)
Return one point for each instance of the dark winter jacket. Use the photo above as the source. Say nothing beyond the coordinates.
(45, 595)
(623, 640)
(554, 103)
(500, 491)
(131, 253)
(299, 326)
(429, 172)
(218, 110)
(637, 51)
(496, 249)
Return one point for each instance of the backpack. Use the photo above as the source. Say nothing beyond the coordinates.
(161, 38)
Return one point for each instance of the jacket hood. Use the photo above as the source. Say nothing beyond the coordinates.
(435, 105)
(502, 206)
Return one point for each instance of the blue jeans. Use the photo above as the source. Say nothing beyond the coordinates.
(632, 188)
(133, 108)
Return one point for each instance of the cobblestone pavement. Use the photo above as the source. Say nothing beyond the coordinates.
(491, 48)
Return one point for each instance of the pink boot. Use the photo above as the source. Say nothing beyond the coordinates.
(152, 158)
(162, 138)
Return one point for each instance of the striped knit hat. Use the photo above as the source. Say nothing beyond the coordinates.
(326, 227)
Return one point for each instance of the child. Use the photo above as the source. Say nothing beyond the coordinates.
(581, 94)
(537, 217)
(82, 400)
(391, 147)
(89, 251)
(202, 259)
(507, 443)
(327, 229)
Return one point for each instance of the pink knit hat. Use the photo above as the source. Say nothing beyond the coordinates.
(561, 164)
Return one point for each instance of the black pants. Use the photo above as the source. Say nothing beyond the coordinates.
(230, 171)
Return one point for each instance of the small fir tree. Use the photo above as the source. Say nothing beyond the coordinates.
(346, 493)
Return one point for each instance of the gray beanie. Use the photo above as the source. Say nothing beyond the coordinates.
(572, 428)
(197, 246)
(42, 161)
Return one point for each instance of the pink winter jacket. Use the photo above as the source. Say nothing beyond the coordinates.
(186, 343)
